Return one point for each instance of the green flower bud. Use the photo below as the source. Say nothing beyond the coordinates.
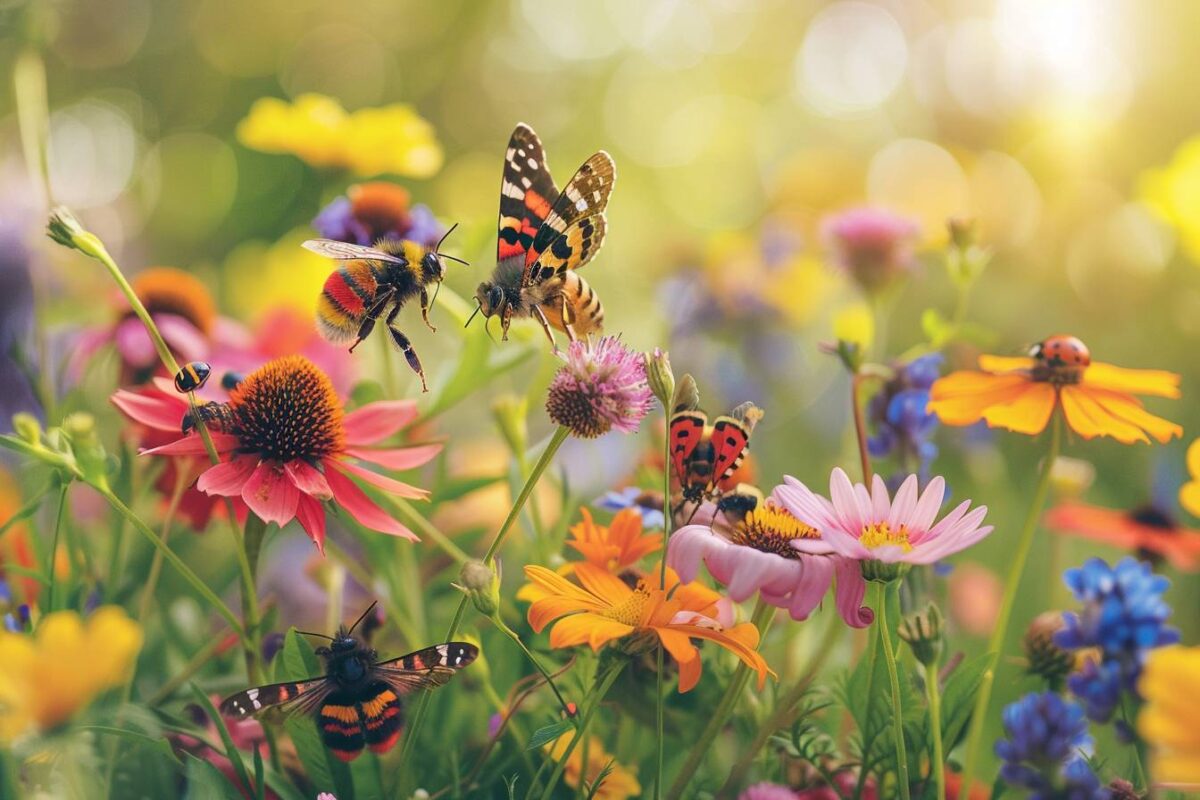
(481, 583)
(883, 571)
(64, 229)
(27, 427)
(510, 413)
(923, 633)
(660, 377)
(85, 445)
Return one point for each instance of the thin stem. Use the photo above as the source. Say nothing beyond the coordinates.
(1138, 765)
(889, 656)
(529, 654)
(661, 700)
(934, 693)
(1017, 567)
(214, 648)
(593, 704)
(156, 565)
(247, 549)
(763, 614)
(51, 562)
(411, 517)
(860, 426)
(543, 462)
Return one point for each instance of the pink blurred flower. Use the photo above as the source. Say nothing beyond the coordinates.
(974, 593)
(775, 552)
(767, 791)
(293, 448)
(601, 386)
(279, 332)
(871, 245)
(870, 526)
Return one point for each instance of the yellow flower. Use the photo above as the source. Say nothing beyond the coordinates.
(1168, 720)
(46, 677)
(1021, 394)
(262, 277)
(1173, 192)
(371, 141)
(620, 783)
(1189, 493)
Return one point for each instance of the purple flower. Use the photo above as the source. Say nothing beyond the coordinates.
(871, 245)
(16, 325)
(377, 210)
(1046, 741)
(601, 387)
(898, 417)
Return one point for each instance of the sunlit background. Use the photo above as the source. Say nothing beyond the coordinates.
(1063, 127)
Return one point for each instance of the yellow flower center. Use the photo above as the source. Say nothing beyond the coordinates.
(166, 290)
(879, 534)
(771, 529)
(630, 611)
(288, 409)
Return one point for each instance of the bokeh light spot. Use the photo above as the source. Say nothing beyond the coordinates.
(853, 58)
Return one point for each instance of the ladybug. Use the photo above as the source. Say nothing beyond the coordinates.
(192, 376)
(1062, 351)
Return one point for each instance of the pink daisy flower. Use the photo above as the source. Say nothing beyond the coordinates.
(293, 448)
(868, 525)
(601, 386)
(776, 553)
(871, 245)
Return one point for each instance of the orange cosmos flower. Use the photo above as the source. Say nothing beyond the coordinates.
(1147, 530)
(603, 608)
(1021, 394)
(616, 547)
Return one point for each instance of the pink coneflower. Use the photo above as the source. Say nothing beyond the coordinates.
(601, 386)
(872, 245)
(870, 526)
(773, 552)
(767, 791)
(292, 445)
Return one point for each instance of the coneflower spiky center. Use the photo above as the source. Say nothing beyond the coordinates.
(288, 409)
(771, 529)
(165, 290)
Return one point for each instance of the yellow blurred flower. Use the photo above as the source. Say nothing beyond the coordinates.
(1173, 192)
(260, 277)
(1189, 493)
(46, 677)
(855, 324)
(371, 141)
(1168, 720)
(620, 783)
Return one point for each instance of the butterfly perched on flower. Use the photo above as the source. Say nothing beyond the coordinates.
(357, 702)
(702, 454)
(544, 237)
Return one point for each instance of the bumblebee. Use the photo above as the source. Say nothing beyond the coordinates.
(192, 376)
(544, 237)
(369, 282)
(215, 416)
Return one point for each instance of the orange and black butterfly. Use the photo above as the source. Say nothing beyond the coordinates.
(544, 237)
(358, 701)
(704, 455)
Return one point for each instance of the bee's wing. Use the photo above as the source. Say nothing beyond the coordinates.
(281, 699)
(344, 251)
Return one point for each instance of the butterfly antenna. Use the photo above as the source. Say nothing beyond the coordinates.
(318, 635)
(478, 308)
(370, 608)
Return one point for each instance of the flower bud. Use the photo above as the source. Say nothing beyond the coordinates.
(1046, 659)
(64, 229)
(85, 445)
(923, 632)
(660, 377)
(962, 231)
(481, 583)
(1071, 477)
(510, 412)
(884, 571)
(27, 427)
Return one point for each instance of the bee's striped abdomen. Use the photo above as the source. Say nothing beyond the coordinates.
(348, 292)
(585, 304)
(341, 726)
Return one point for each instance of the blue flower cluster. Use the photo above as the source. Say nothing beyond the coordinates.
(1044, 752)
(899, 420)
(1123, 617)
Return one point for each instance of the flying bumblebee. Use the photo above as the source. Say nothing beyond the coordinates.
(369, 282)
(544, 237)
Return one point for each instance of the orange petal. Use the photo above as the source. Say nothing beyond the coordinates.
(602, 583)
(735, 640)
(685, 654)
(1135, 381)
(1089, 419)
(1005, 363)
(1130, 410)
(590, 629)
(1028, 412)
(1189, 498)
(961, 398)
(1193, 459)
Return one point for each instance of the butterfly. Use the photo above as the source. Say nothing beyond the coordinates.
(704, 455)
(544, 237)
(357, 702)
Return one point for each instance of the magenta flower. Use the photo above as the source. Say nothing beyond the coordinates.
(871, 245)
(871, 526)
(774, 552)
(293, 448)
(767, 791)
(601, 386)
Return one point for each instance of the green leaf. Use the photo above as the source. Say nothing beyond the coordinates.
(205, 782)
(549, 733)
(936, 328)
(298, 663)
(958, 698)
(156, 743)
(260, 785)
(231, 752)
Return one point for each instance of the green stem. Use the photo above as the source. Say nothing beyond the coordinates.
(1138, 745)
(763, 614)
(889, 656)
(860, 426)
(247, 549)
(529, 654)
(543, 462)
(660, 698)
(593, 703)
(51, 571)
(1017, 567)
(411, 517)
(934, 693)
(156, 565)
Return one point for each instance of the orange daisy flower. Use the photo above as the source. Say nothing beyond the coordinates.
(1146, 530)
(1021, 394)
(617, 546)
(603, 609)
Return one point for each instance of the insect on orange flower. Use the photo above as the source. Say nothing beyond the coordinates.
(1021, 394)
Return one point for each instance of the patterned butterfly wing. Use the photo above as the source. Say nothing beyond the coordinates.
(527, 193)
(281, 699)
(586, 195)
(731, 440)
(687, 431)
(571, 250)
(428, 668)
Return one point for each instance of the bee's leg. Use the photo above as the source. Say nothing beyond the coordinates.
(541, 315)
(425, 309)
(567, 316)
(373, 314)
(405, 346)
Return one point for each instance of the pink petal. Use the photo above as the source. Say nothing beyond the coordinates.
(311, 515)
(228, 478)
(308, 479)
(847, 545)
(193, 445)
(687, 549)
(881, 503)
(948, 521)
(351, 498)
(845, 504)
(850, 590)
(377, 421)
(929, 504)
(161, 412)
(374, 478)
(904, 503)
(811, 588)
(185, 341)
(85, 345)
(397, 458)
(133, 343)
(271, 494)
